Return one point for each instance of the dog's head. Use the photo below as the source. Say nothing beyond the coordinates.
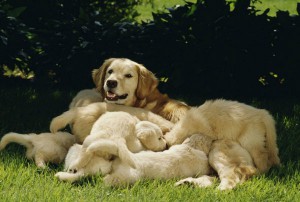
(150, 136)
(123, 81)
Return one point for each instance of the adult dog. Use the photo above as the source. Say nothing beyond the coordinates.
(253, 128)
(123, 81)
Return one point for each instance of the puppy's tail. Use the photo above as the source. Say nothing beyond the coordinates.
(271, 137)
(62, 121)
(21, 139)
(116, 147)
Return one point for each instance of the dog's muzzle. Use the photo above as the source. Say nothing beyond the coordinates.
(110, 96)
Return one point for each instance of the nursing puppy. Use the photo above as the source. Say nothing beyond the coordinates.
(184, 160)
(123, 81)
(122, 127)
(82, 119)
(187, 159)
(252, 128)
(148, 133)
(232, 162)
(96, 165)
(43, 148)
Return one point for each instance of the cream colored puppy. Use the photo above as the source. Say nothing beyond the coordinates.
(43, 148)
(85, 97)
(117, 126)
(184, 160)
(252, 128)
(96, 165)
(233, 163)
(82, 119)
(187, 159)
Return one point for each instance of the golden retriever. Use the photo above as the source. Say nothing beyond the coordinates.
(123, 81)
(43, 148)
(119, 126)
(232, 162)
(253, 128)
(82, 119)
(182, 160)
(96, 165)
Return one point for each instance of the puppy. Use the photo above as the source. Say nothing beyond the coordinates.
(252, 128)
(43, 148)
(149, 133)
(233, 163)
(184, 160)
(123, 81)
(82, 119)
(116, 126)
(85, 97)
(97, 165)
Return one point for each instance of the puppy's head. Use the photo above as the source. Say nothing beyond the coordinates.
(123, 81)
(150, 136)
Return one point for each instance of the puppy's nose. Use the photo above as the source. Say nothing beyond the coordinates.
(111, 83)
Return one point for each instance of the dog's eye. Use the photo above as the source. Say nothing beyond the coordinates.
(110, 71)
(128, 75)
(159, 138)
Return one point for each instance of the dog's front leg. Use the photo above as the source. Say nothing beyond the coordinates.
(83, 159)
(69, 177)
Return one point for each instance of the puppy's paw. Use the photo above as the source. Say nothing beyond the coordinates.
(203, 181)
(67, 177)
(226, 185)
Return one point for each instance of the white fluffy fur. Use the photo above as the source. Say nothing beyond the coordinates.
(82, 119)
(118, 126)
(43, 148)
(253, 128)
(97, 165)
(85, 97)
(182, 160)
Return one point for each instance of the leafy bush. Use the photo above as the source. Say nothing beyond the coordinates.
(202, 48)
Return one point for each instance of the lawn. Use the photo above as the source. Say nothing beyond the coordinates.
(27, 110)
(160, 6)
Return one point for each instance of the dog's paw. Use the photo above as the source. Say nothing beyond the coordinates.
(203, 181)
(63, 176)
(67, 177)
(72, 170)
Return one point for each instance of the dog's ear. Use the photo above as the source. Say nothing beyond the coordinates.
(147, 82)
(98, 75)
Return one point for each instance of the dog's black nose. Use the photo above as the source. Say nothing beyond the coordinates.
(111, 83)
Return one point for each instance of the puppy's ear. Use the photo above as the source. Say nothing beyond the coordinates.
(147, 82)
(98, 75)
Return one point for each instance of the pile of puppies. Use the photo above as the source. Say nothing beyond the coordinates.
(126, 130)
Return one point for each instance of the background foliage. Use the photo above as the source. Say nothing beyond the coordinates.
(207, 48)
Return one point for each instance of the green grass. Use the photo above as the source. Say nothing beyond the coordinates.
(160, 6)
(27, 110)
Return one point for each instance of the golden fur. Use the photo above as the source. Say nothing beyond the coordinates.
(82, 119)
(85, 97)
(136, 86)
(43, 148)
(233, 164)
(182, 160)
(252, 128)
(118, 126)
